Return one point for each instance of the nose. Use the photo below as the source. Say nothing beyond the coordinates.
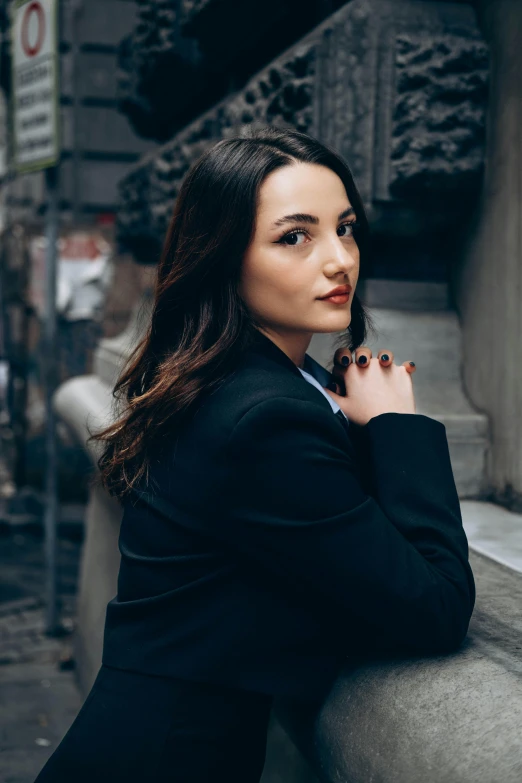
(340, 258)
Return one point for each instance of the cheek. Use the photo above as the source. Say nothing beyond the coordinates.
(261, 281)
(273, 278)
(295, 284)
(267, 270)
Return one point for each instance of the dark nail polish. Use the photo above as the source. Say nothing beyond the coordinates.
(385, 357)
(412, 364)
(362, 359)
(345, 360)
(332, 386)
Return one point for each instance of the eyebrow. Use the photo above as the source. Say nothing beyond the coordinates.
(302, 217)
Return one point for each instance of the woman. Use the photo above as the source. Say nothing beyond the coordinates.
(271, 527)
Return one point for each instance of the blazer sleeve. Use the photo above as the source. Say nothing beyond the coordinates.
(392, 565)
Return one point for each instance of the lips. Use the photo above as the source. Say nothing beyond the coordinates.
(341, 290)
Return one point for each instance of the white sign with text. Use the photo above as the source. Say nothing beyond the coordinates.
(35, 107)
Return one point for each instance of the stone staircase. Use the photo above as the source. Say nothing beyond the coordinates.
(415, 321)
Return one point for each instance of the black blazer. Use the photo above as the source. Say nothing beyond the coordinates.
(274, 541)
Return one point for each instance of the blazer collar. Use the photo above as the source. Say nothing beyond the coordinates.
(265, 346)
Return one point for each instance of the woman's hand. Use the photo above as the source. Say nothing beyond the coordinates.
(371, 386)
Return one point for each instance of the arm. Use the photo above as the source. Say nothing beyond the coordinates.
(395, 565)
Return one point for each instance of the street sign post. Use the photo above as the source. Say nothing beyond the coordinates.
(35, 95)
(35, 128)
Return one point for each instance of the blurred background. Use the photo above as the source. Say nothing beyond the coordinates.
(98, 126)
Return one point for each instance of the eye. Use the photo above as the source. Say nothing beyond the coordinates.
(352, 226)
(287, 239)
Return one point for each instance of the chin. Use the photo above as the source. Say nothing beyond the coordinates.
(329, 329)
(338, 324)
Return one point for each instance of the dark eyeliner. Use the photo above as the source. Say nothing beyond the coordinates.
(353, 223)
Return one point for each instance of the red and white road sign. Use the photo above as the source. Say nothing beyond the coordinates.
(35, 83)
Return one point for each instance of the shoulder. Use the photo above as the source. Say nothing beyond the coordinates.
(255, 394)
(285, 427)
(259, 420)
(259, 406)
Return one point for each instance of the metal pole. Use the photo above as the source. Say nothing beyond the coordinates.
(50, 363)
(75, 9)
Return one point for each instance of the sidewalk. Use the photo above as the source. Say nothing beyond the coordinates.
(39, 698)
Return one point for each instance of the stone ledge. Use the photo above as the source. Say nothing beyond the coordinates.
(84, 403)
(494, 532)
(447, 719)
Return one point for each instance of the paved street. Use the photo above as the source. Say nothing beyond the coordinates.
(39, 698)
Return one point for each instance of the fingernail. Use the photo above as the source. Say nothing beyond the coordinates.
(345, 360)
(412, 364)
(332, 386)
(362, 359)
(385, 357)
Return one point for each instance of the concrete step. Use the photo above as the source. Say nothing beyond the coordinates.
(404, 294)
(431, 338)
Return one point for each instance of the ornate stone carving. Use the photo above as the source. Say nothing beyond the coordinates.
(152, 60)
(397, 87)
(191, 8)
(438, 119)
(345, 89)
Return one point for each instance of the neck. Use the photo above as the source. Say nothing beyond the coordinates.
(294, 345)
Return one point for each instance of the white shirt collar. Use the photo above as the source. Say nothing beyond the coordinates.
(310, 378)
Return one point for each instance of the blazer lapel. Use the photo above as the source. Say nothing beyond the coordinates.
(266, 347)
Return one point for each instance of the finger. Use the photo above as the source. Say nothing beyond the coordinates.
(363, 356)
(342, 358)
(385, 357)
(337, 378)
(410, 366)
(333, 387)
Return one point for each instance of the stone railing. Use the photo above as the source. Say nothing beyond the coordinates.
(452, 719)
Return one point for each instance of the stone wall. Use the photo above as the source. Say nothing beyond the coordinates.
(438, 133)
(488, 279)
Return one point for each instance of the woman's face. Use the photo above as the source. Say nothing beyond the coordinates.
(303, 247)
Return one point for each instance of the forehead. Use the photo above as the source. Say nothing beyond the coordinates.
(301, 187)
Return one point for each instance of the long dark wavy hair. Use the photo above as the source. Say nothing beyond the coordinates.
(200, 327)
